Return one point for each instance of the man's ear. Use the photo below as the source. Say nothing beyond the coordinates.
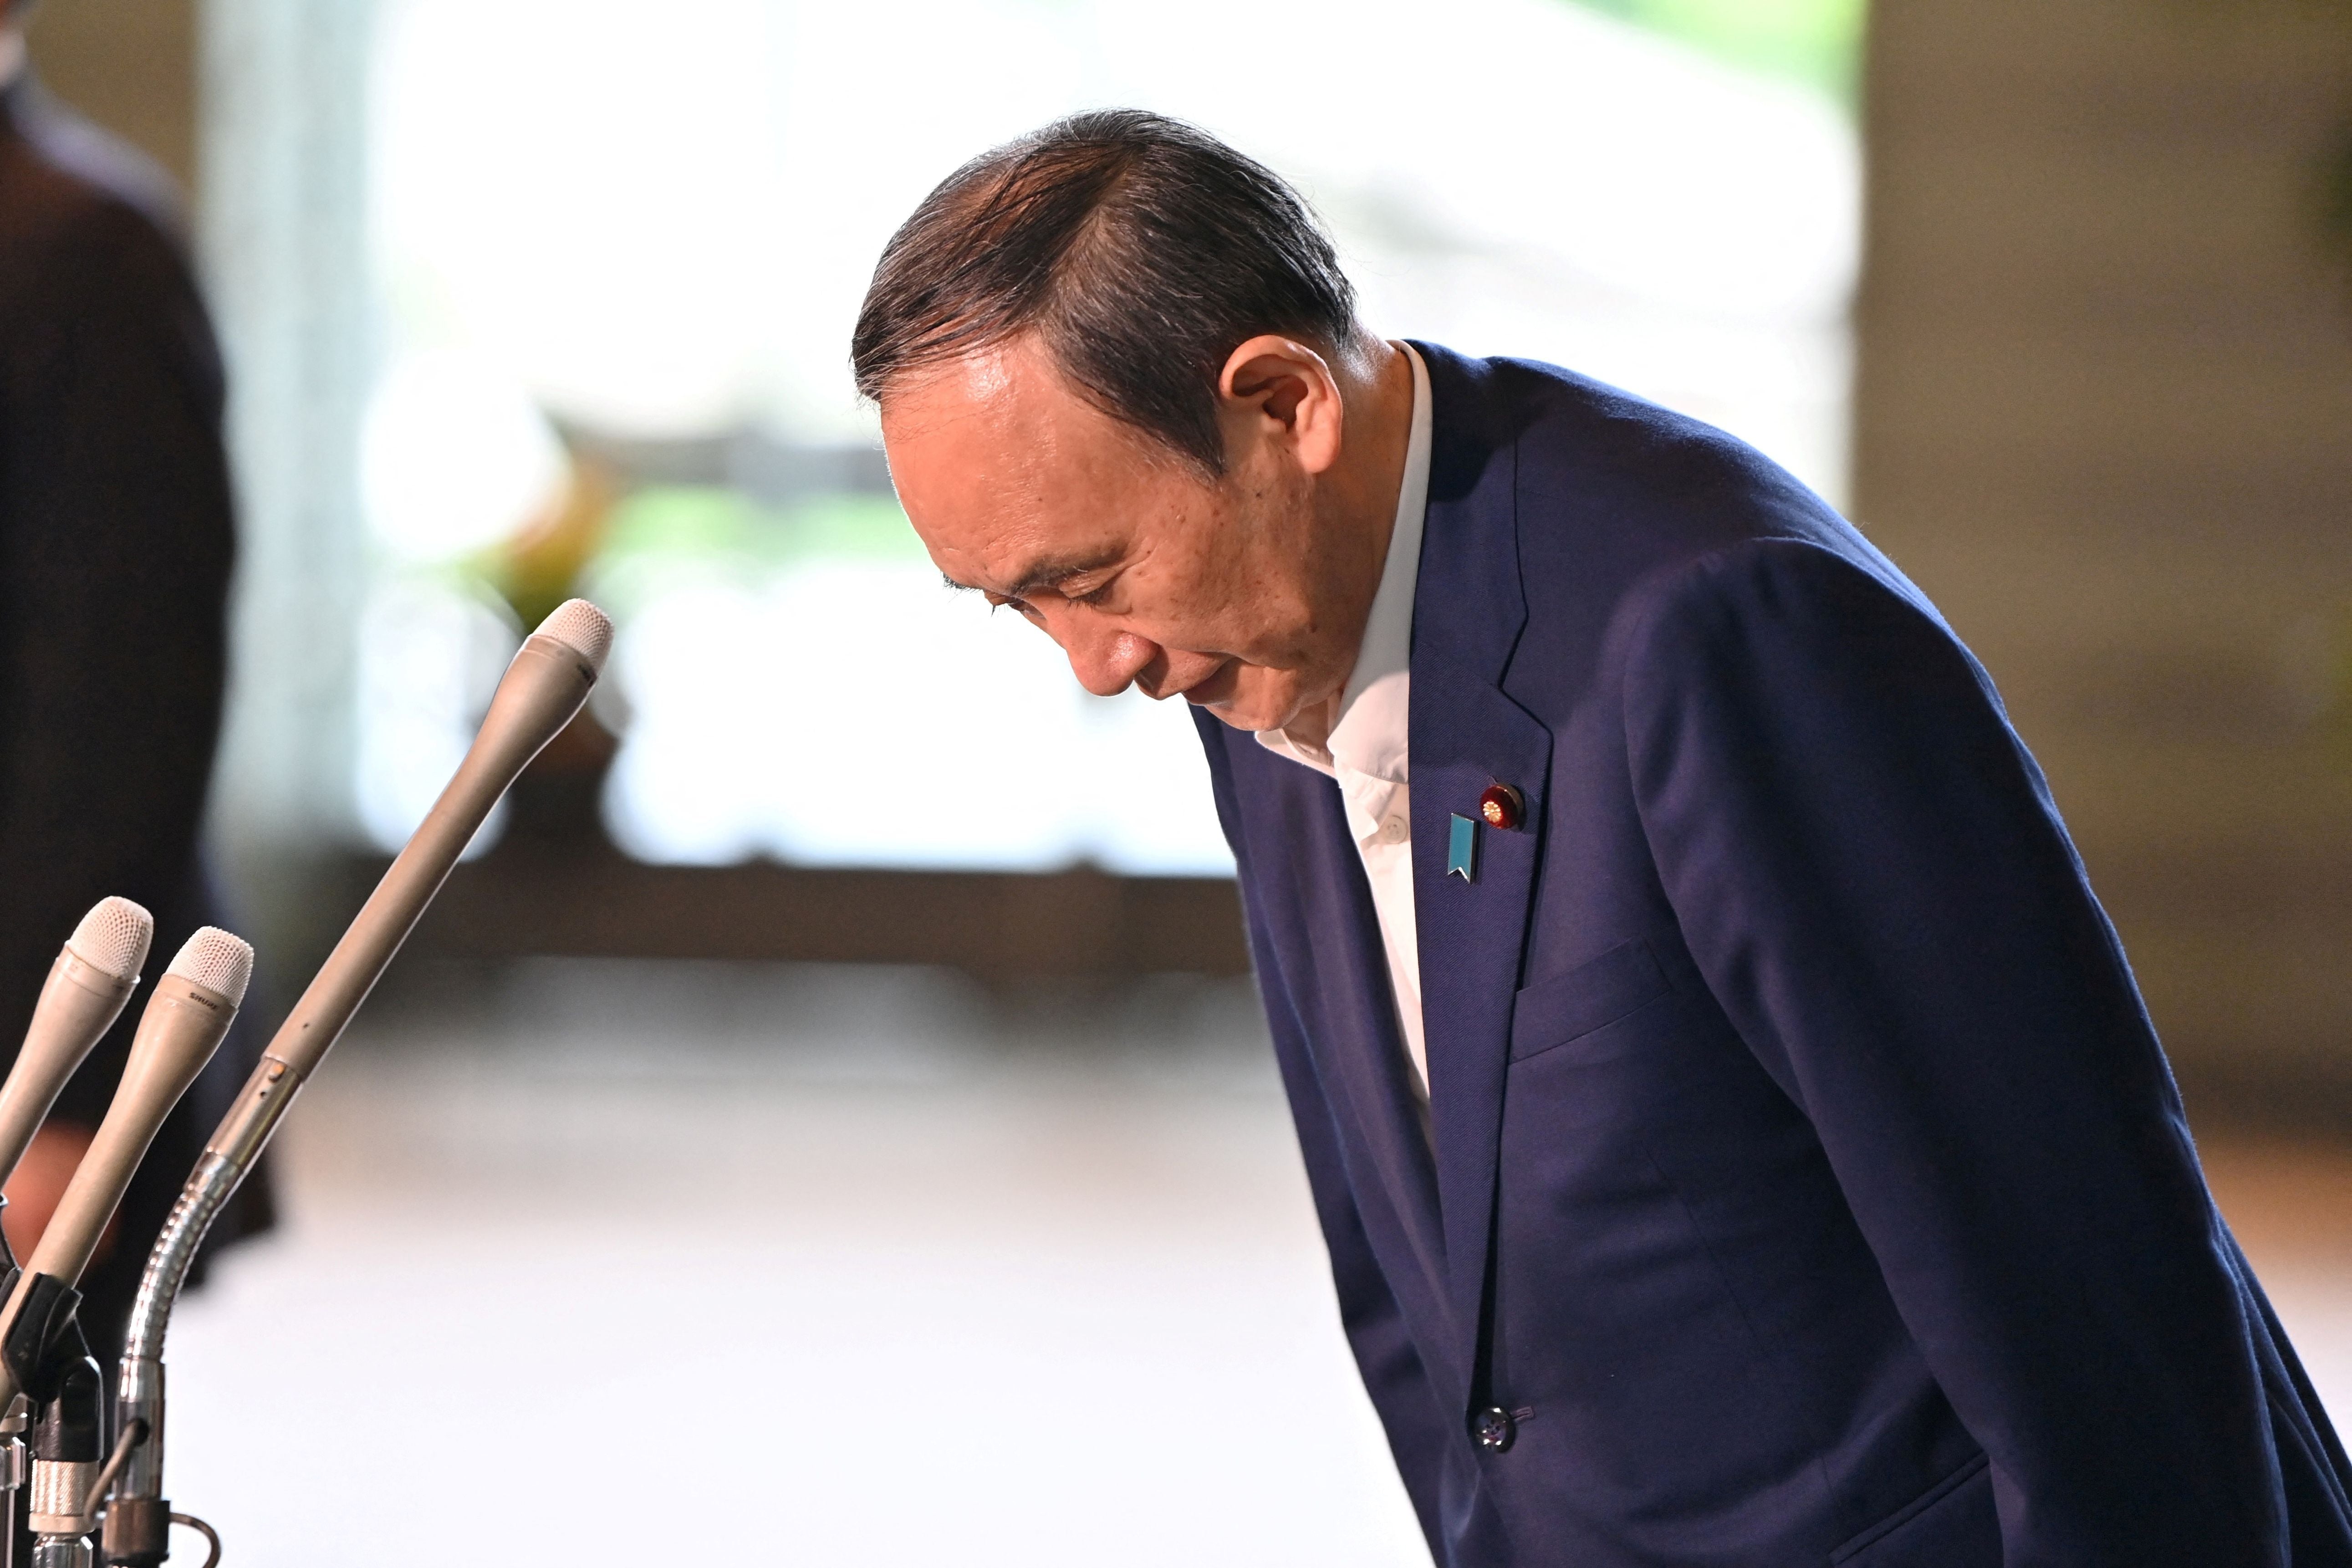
(1277, 389)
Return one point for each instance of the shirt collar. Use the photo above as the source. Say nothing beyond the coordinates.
(1368, 736)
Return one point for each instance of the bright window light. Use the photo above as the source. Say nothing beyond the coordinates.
(657, 222)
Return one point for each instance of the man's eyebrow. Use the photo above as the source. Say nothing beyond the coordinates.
(1043, 573)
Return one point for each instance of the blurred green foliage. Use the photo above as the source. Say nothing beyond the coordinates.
(1815, 42)
(662, 536)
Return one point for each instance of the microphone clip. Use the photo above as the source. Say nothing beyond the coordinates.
(45, 1341)
(51, 1363)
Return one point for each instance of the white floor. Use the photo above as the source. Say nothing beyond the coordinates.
(824, 1266)
(791, 1268)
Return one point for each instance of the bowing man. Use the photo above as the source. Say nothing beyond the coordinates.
(1735, 1130)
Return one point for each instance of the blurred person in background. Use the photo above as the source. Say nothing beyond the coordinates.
(1736, 1132)
(116, 542)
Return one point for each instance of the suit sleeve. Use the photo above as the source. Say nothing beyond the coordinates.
(1401, 1394)
(115, 546)
(1870, 873)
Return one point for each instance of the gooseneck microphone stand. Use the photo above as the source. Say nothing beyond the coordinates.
(138, 1518)
(545, 685)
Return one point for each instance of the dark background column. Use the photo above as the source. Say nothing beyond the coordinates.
(2104, 417)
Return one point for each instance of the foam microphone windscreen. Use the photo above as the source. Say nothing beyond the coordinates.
(582, 628)
(217, 961)
(113, 937)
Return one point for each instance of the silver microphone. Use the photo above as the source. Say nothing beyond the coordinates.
(185, 1017)
(93, 976)
(542, 688)
(542, 691)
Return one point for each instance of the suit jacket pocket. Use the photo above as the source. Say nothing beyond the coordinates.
(1588, 998)
(1952, 1524)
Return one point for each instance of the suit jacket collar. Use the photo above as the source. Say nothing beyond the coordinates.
(1466, 735)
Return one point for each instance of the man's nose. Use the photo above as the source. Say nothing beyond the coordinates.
(1107, 662)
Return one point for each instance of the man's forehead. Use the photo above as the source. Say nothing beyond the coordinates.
(977, 385)
(1006, 389)
(1011, 406)
(962, 443)
(1003, 473)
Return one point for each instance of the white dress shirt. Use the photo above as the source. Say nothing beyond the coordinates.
(1367, 750)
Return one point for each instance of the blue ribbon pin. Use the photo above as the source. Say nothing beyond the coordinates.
(1462, 848)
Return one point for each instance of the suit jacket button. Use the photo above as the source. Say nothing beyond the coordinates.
(1494, 1429)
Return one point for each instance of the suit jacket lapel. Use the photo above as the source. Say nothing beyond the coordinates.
(1464, 735)
(1335, 965)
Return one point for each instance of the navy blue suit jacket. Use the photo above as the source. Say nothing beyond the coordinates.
(1802, 1172)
